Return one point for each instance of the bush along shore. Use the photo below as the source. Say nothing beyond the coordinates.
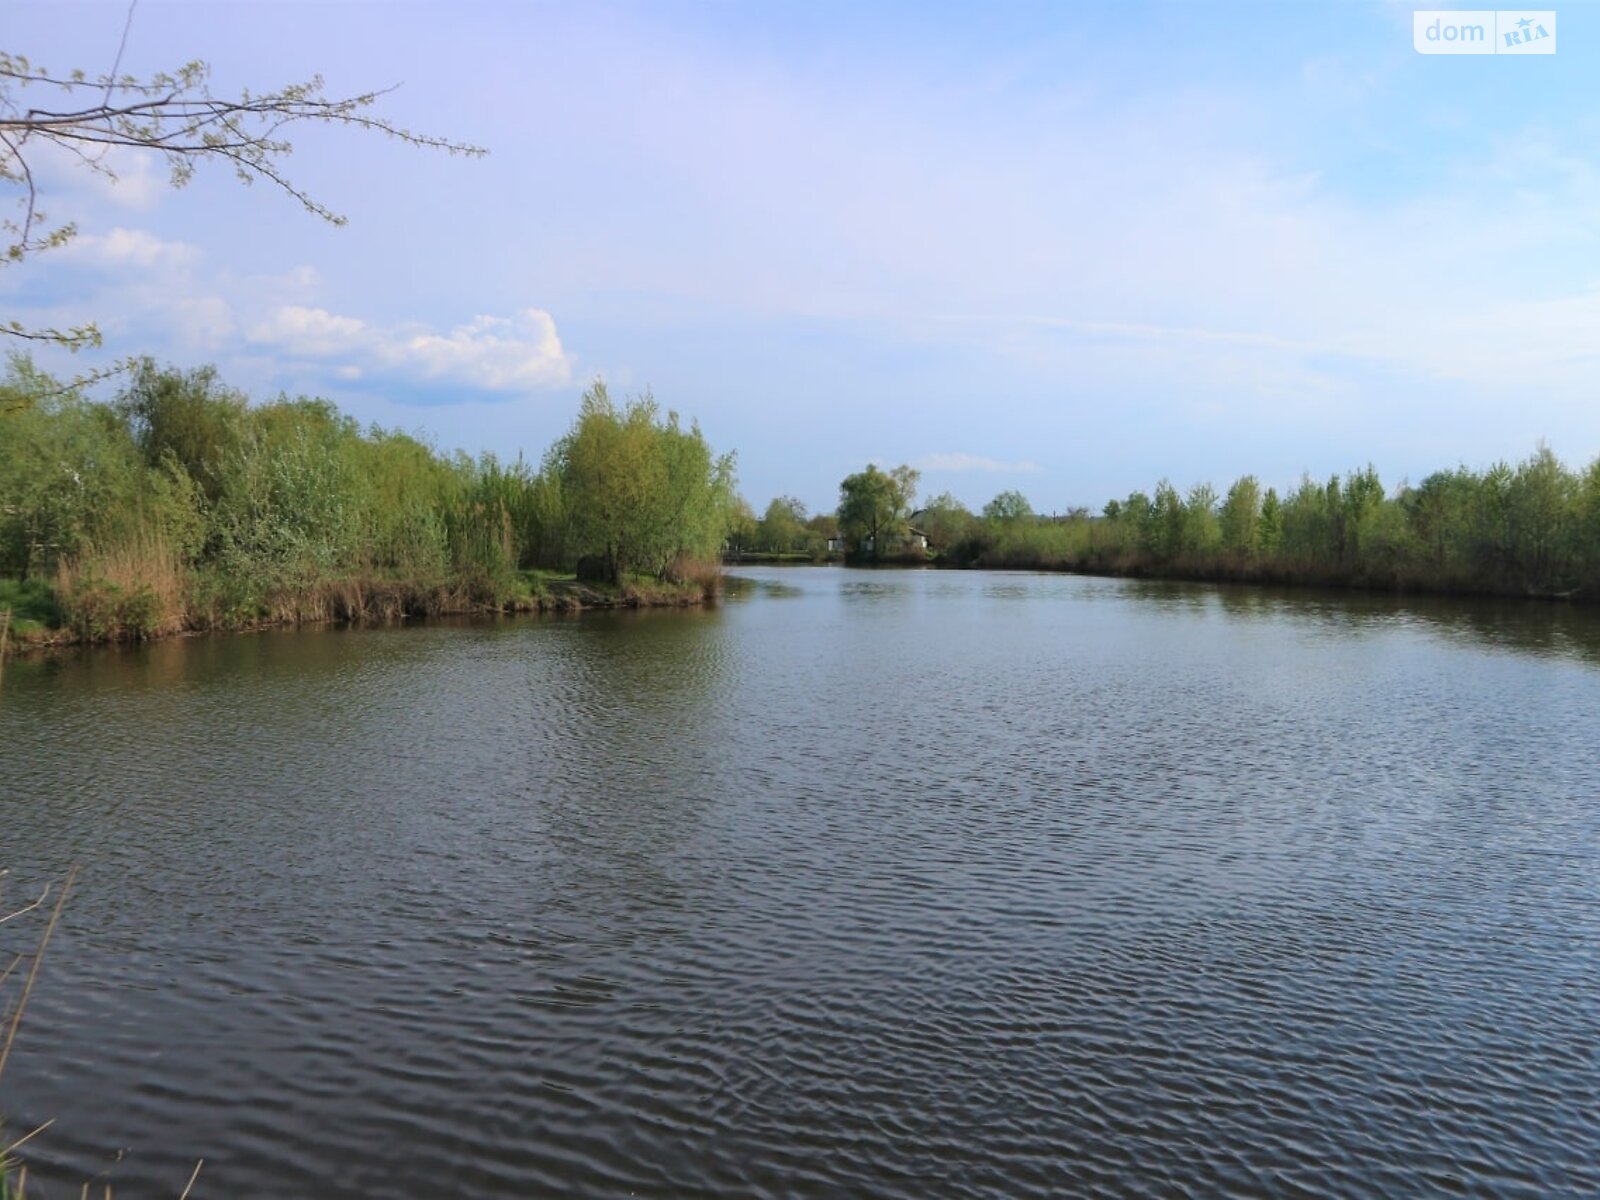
(179, 506)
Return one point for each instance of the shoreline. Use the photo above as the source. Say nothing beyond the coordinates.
(1248, 577)
(390, 602)
(386, 603)
(1289, 578)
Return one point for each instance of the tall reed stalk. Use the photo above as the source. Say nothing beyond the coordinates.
(133, 590)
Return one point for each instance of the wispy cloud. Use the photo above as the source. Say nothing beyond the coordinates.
(125, 178)
(497, 354)
(120, 248)
(1151, 332)
(960, 461)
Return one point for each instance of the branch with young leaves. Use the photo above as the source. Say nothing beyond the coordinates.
(173, 114)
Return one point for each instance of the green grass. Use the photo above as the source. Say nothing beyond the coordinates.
(33, 606)
(535, 576)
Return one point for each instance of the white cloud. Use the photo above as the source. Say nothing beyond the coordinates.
(147, 291)
(959, 461)
(495, 354)
(313, 332)
(119, 248)
(205, 323)
(127, 178)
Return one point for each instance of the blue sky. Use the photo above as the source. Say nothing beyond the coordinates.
(1054, 247)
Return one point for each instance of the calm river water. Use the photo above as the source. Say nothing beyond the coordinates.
(890, 884)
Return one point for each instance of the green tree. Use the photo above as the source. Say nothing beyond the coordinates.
(68, 473)
(1201, 534)
(403, 490)
(1361, 517)
(783, 526)
(946, 521)
(287, 513)
(1586, 527)
(1137, 516)
(188, 416)
(701, 486)
(1269, 530)
(744, 530)
(873, 506)
(1306, 536)
(1008, 507)
(1543, 511)
(1165, 530)
(822, 527)
(610, 476)
(1493, 550)
(1438, 510)
(642, 494)
(1241, 516)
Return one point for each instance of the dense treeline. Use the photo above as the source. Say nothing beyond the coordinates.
(180, 505)
(1529, 529)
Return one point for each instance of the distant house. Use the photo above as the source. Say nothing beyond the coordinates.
(838, 545)
(912, 541)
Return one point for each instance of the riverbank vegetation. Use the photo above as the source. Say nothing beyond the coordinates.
(179, 505)
(1532, 529)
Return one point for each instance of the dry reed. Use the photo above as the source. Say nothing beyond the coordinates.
(134, 591)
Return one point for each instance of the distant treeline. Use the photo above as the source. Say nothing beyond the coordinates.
(784, 531)
(180, 505)
(1529, 529)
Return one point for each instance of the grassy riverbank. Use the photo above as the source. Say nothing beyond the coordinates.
(130, 607)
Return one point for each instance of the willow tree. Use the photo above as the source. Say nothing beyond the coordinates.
(640, 492)
(874, 504)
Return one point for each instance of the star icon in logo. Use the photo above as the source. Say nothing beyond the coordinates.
(1524, 23)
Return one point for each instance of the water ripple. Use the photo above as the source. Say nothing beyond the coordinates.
(877, 884)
